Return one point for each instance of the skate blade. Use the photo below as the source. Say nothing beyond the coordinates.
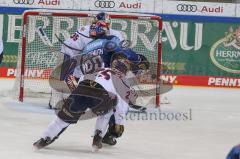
(35, 148)
(95, 149)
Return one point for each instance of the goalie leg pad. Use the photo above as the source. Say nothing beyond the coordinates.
(86, 96)
(61, 78)
(67, 67)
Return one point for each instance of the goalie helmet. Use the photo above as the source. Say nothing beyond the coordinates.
(100, 25)
(98, 29)
(102, 16)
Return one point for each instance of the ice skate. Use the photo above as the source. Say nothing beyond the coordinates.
(41, 143)
(109, 140)
(97, 141)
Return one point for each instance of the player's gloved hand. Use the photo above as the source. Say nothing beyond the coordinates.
(71, 82)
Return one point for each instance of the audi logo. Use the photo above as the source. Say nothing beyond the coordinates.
(186, 8)
(104, 4)
(30, 2)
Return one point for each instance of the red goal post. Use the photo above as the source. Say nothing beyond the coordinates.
(143, 30)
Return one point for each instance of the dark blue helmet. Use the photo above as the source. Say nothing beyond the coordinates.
(234, 153)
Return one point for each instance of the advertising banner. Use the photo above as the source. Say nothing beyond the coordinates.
(190, 48)
(211, 81)
(10, 29)
(207, 49)
(188, 80)
(199, 8)
(146, 6)
(238, 10)
(194, 53)
(140, 6)
(56, 4)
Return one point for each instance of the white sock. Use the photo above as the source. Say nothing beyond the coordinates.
(54, 128)
(102, 123)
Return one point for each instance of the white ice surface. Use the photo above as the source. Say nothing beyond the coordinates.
(213, 130)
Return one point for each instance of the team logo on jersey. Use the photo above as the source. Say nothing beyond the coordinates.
(225, 53)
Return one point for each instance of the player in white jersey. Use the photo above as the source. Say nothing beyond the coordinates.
(111, 125)
(84, 97)
(101, 94)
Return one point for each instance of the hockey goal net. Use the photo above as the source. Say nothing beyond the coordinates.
(36, 60)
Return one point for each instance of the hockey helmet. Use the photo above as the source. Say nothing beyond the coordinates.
(98, 29)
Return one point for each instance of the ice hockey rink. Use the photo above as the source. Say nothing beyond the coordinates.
(208, 132)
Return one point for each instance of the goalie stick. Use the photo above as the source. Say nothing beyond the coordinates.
(45, 39)
(60, 40)
(43, 36)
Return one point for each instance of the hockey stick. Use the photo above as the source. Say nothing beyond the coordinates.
(62, 42)
(43, 36)
(45, 39)
(145, 93)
